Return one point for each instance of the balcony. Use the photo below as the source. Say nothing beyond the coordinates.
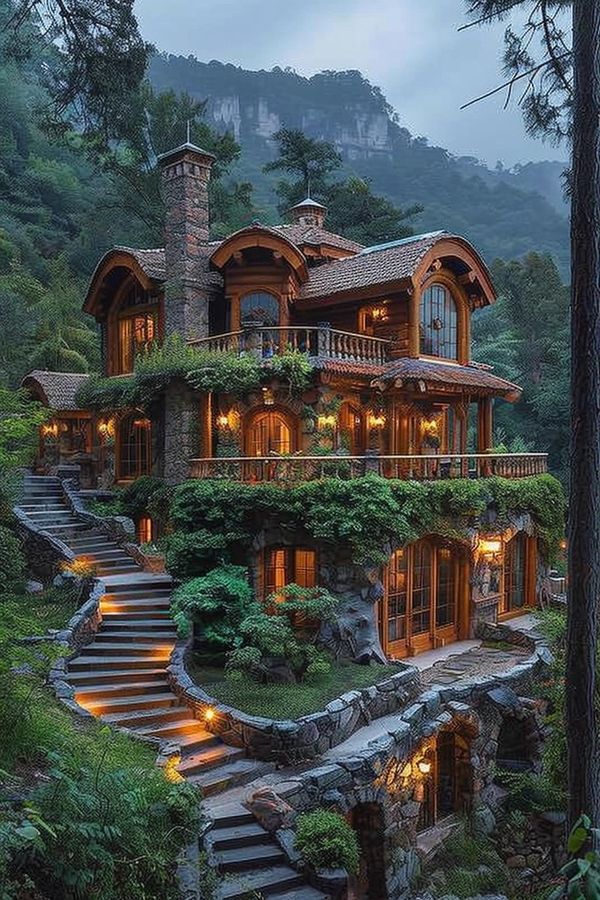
(320, 341)
(420, 468)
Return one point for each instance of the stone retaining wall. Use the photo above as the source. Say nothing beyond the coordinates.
(44, 552)
(288, 741)
(384, 772)
(120, 529)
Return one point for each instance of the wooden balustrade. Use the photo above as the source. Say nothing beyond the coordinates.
(312, 340)
(421, 468)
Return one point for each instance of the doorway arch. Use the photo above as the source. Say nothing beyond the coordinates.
(367, 820)
(447, 776)
(270, 432)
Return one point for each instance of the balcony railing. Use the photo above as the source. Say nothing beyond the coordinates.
(420, 468)
(265, 342)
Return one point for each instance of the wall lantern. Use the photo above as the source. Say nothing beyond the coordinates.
(268, 396)
(50, 430)
(430, 426)
(563, 544)
(222, 421)
(326, 421)
(376, 420)
(106, 427)
(490, 547)
(209, 714)
(378, 313)
(424, 765)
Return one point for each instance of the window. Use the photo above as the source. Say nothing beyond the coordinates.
(144, 530)
(259, 309)
(134, 447)
(438, 323)
(397, 594)
(136, 334)
(289, 565)
(421, 593)
(515, 556)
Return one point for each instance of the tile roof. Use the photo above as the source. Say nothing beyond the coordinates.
(151, 261)
(347, 366)
(377, 265)
(56, 389)
(471, 376)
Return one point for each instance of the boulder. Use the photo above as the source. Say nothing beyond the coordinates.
(270, 810)
(34, 587)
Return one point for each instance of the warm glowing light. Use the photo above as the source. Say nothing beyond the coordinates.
(376, 420)
(328, 421)
(50, 429)
(378, 313)
(268, 396)
(209, 714)
(424, 766)
(170, 769)
(106, 427)
(563, 544)
(222, 421)
(142, 423)
(430, 426)
(490, 546)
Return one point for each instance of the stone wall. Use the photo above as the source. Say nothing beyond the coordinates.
(181, 428)
(287, 741)
(385, 771)
(45, 553)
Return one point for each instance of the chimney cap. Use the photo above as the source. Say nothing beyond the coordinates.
(184, 148)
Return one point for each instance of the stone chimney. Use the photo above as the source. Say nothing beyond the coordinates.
(185, 173)
(309, 212)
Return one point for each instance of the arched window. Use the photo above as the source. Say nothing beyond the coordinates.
(134, 457)
(269, 433)
(438, 323)
(137, 327)
(259, 309)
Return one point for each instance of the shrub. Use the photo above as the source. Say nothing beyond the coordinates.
(138, 496)
(193, 554)
(106, 508)
(217, 602)
(327, 841)
(12, 562)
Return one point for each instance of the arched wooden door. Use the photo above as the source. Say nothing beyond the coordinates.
(424, 598)
(270, 433)
(134, 447)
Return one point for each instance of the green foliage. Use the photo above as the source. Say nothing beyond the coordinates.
(202, 369)
(353, 209)
(468, 865)
(106, 508)
(12, 561)
(363, 516)
(530, 791)
(195, 554)
(326, 840)
(19, 421)
(582, 872)
(145, 495)
(525, 336)
(216, 603)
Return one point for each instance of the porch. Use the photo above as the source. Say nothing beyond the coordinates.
(422, 467)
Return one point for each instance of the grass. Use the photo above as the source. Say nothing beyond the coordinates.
(289, 701)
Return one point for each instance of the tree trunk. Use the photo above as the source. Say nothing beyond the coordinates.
(584, 514)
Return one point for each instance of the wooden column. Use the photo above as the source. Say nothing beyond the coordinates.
(484, 432)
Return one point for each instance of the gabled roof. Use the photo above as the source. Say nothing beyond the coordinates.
(433, 372)
(373, 265)
(56, 390)
(314, 236)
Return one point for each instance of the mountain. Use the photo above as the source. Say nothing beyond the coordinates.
(506, 213)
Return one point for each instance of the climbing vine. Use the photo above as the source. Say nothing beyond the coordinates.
(204, 370)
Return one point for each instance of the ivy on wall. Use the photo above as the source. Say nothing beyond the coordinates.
(204, 370)
(217, 520)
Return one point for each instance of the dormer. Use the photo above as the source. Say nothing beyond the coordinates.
(262, 272)
(126, 298)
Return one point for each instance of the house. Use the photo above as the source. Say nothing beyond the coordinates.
(386, 333)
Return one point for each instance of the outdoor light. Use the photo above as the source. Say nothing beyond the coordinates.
(328, 421)
(376, 420)
(424, 765)
(106, 427)
(50, 430)
(268, 397)
(222, 421)
(209, 714)
(378, 313)
(490, 547)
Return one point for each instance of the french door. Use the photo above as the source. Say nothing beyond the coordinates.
(269, 434)
(421, 603)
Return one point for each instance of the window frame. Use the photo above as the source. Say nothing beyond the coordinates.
(455, 328)
(289, 567)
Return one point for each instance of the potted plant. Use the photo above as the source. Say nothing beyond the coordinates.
(330, 849)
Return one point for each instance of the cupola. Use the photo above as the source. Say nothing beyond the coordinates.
(309, 212)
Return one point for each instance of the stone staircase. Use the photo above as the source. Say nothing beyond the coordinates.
(121, 678)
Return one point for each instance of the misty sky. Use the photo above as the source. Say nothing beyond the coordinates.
(410, 48)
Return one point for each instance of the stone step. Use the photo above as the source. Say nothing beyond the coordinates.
(48, 504)
(91, 663)
(114, 676)
(232, 836)
(66, 529)
(151, 621)
(109, 552)
(110, 604)
(145, 720)
(301, 893)
(236, 773)
(59, 511)
(102, 707)
(124, 636)
(209, 758)
(102, 543)
(140, 586)
(227, 815)
(191, 742)
(265, 881)
(162, 650)
(184, 725)
(117, 568)
(250, 859)
(121, 689)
